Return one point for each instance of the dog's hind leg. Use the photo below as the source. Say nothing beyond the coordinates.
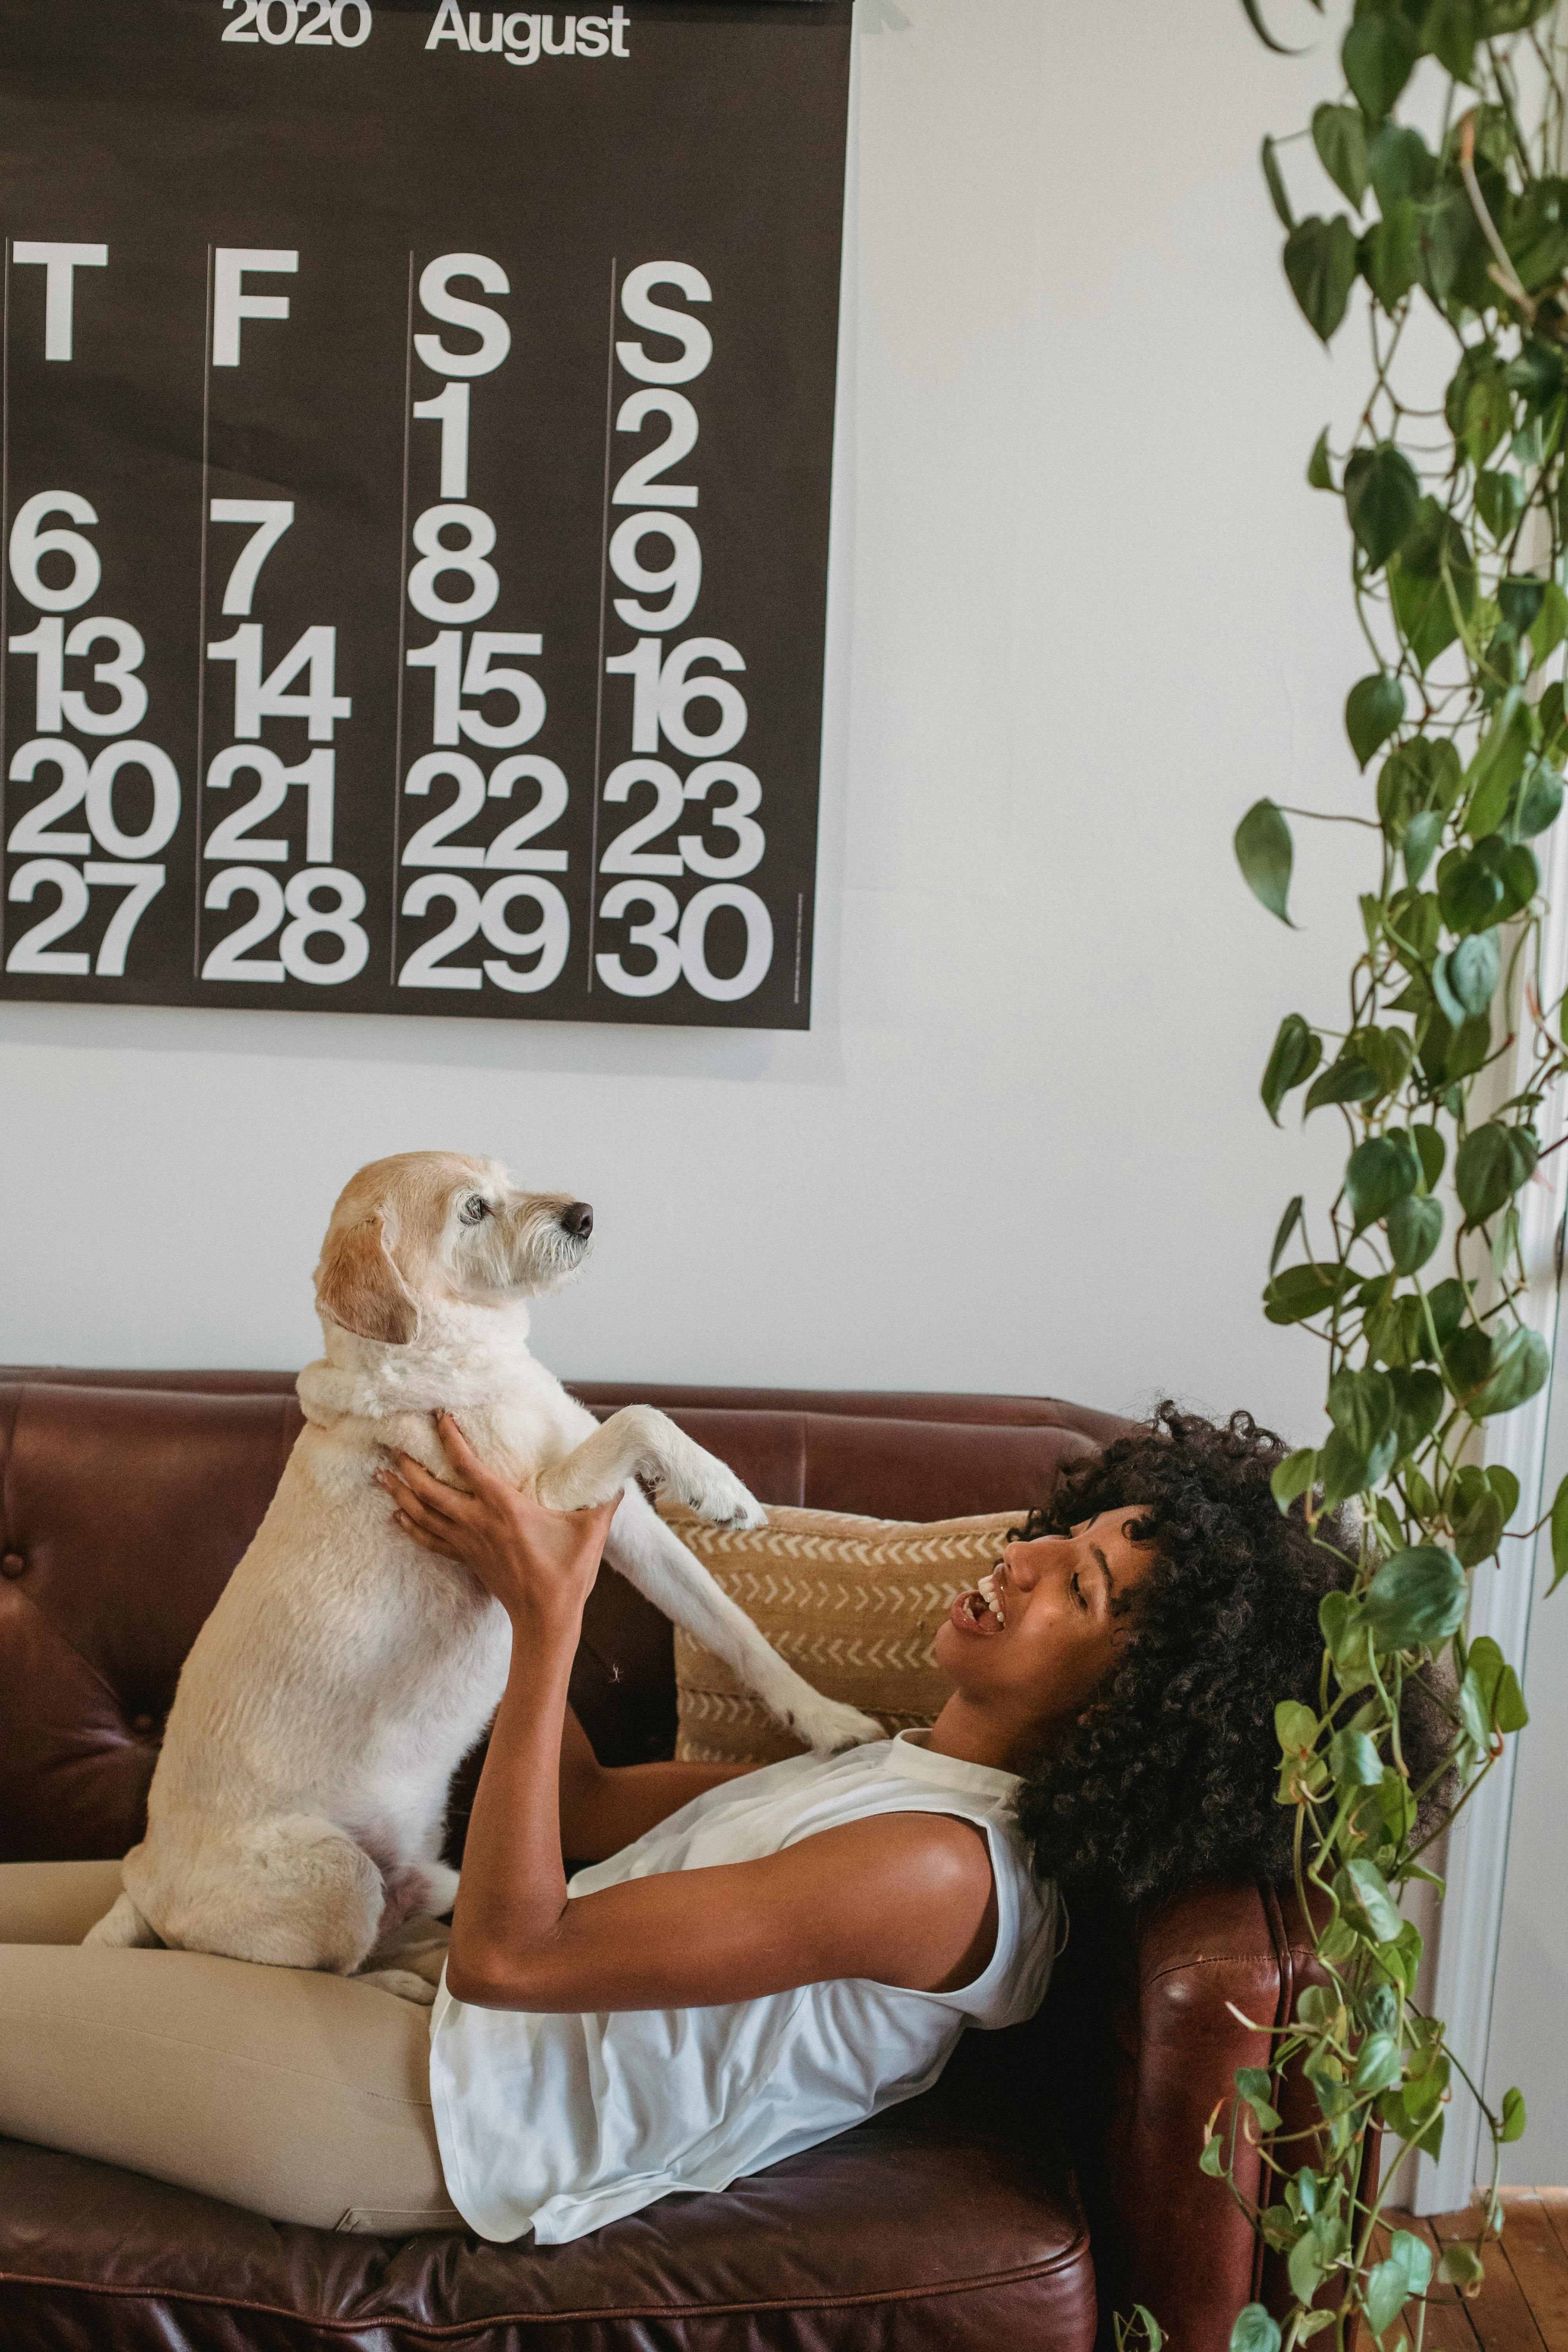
(440, 1888)
(410, 1948)
(640, 1442)
(653, 1559)
(295, 1892)
(123, 1927)
(409, 1961)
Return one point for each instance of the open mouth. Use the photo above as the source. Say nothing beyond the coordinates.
(983, 1611)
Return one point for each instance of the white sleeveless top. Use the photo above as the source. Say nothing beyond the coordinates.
(561, 2123)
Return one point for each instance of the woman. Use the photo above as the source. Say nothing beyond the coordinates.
(748, 1968)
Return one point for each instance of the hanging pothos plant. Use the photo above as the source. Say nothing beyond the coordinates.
(1456, 501)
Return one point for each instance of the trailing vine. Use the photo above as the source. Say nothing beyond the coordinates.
(1455, 493)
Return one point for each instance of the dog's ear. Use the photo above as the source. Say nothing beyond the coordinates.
(358, 1286)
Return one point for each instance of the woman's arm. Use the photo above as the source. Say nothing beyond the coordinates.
(905, 1899)
(605, 1806)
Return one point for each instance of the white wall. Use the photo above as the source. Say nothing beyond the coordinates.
(1084, 612)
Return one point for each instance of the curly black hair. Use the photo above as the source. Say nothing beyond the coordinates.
(1169, 1775)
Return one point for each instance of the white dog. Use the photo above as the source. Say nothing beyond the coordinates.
(296, 1814)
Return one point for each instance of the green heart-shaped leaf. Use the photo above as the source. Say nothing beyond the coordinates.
(1339, 134)
(1400, 162)
(1499, 502)
(1414, 1229)
(1391, 2283)
(1480, 1531)
(1432, 578)
(1390, 252)
(1265, 853)
(1353, 1761)
(1321, 265)
(1382, 498)
(1276, 181)
(1465, 980)
(1380, 1171)
(1539, 800)
(1253, 2330)
(1418, 1401)
(1521, 1364)
(1378, 54)
(1450, 30)
(1373, 708)
(1470, 894)
(1422, 836)
(1293, 1476)
(1298, 1049)
(1361, 1404)
(1302, 1291)
(1492, 1162)
(1380, 2065)
(1498, 765)
(1416, 1598)
(1366, 1885)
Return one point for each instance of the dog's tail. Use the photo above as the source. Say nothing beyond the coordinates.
(122, 1926)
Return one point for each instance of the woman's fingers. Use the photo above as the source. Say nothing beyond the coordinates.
(416, 1517)
(508, 1539)
(412, 1509)
(423, 1536)
(433, 1492)
(461, 1455)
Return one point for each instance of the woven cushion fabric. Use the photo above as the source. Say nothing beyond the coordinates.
(853, 1603)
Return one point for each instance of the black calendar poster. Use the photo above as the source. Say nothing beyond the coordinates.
(416, 434)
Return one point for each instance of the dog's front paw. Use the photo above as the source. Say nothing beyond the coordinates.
(828, 1727)
(720, 1498)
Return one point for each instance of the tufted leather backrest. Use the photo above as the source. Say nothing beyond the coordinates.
(872, 1404)
(122, 1514)
(124, 1511)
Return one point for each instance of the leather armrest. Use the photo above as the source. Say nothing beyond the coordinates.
(1153, 1998)
(1202, 1957)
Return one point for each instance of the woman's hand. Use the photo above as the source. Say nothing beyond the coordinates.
(538, 1564)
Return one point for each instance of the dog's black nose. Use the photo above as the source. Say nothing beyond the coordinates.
(577, 1219)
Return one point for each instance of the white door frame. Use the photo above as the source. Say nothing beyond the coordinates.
(1471, 1915)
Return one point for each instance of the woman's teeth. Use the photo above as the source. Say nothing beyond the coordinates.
(986, 1587)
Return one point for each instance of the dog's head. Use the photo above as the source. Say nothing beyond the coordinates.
(428, 1228)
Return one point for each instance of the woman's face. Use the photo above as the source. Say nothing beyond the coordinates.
(1036, 1638)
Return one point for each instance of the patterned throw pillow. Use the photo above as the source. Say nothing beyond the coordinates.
(853, 1603)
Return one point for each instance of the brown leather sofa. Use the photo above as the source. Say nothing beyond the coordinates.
(1049, 2179)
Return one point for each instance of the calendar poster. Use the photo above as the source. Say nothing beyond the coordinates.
(416, 442)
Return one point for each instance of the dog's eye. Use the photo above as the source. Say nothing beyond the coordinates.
(475, 1210)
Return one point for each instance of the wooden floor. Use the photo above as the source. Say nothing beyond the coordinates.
(1522, 2303)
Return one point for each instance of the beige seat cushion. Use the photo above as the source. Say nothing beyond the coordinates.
(853, 1604)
